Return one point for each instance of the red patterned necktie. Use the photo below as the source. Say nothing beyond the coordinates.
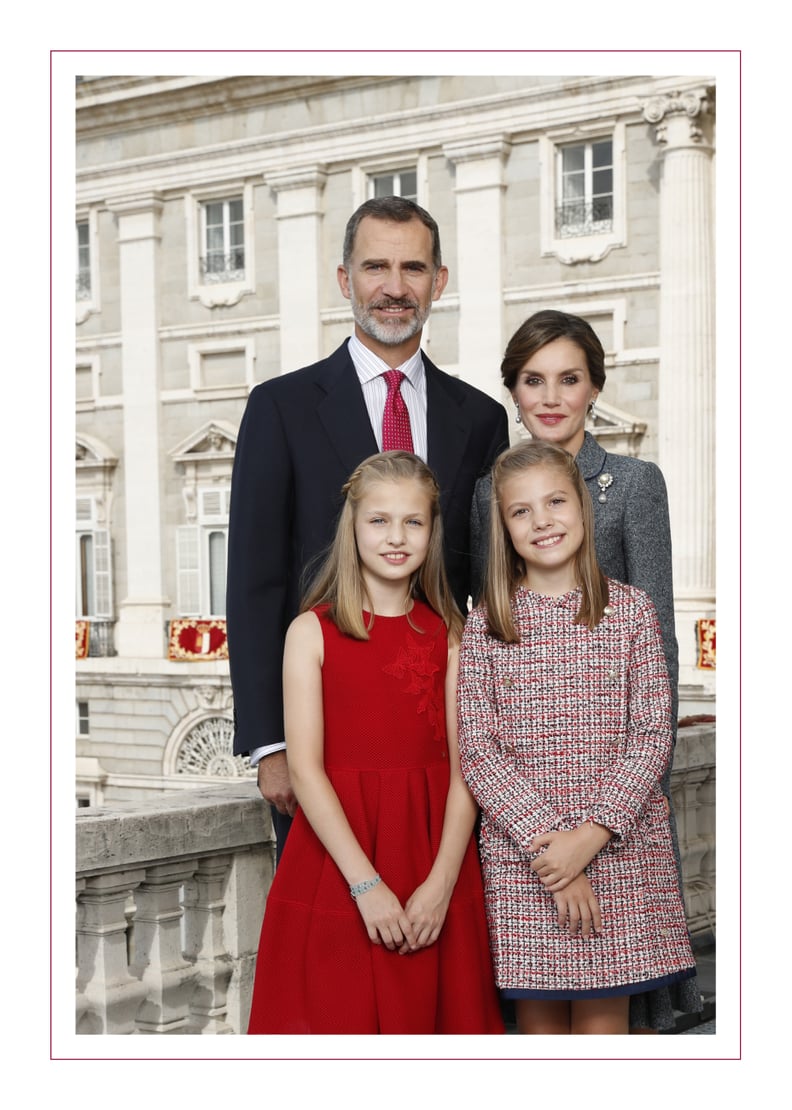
(396, 434)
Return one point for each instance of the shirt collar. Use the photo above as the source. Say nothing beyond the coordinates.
(370, 366)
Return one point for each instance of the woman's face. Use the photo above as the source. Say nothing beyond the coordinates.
(553, 391)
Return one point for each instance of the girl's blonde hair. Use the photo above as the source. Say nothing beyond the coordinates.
(339, 581)
(506, 569)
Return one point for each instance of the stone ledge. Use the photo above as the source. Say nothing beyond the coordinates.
(185, 824)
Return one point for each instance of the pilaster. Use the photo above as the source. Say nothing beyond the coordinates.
(683, 127)
(144, 610)
(299, 219)
(479, 191)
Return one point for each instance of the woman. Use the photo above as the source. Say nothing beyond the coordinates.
(554, 369)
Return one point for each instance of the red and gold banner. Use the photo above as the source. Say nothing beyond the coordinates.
(705, 639)
(83, 635)
(197, 640)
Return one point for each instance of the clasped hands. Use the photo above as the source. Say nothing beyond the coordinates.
(560, 867)
(406, 928)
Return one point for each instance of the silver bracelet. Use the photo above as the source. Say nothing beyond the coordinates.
(367, 884)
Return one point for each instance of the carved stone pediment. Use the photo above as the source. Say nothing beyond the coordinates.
(619, 432)
(214, 441)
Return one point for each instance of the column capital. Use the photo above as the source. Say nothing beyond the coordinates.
(681, 118)
(134, 204)
(471, 150)
(305, 177)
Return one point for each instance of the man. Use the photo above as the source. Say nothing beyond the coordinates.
(305, 432)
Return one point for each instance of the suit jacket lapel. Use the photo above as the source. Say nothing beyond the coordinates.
(342, 411)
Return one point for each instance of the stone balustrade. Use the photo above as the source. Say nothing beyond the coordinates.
(171, 893)
(170, 899)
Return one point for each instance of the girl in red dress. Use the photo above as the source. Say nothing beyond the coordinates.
(375, 919)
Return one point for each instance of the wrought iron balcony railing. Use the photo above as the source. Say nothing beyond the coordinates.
(584, 217)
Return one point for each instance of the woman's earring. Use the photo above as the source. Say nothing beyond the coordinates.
(591, 407)
(518, 414)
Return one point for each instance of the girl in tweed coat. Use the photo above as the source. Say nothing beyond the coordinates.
(564, 734)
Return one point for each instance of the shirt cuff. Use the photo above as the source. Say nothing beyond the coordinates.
(258, 754)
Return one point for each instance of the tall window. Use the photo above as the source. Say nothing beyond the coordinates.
(223, 239)
(585, 188)
(83, 261)
(93, 564)
(201, 555)
(400, 183)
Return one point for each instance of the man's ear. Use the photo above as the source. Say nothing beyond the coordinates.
(440, 282)
(343, 282)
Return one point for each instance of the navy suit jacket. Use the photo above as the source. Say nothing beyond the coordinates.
(301, 436)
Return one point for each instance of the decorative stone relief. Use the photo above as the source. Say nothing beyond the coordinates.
(207, 751)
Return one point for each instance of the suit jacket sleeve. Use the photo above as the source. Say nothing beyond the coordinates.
(258, 556)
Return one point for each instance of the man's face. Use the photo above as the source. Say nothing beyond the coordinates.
(391, 282)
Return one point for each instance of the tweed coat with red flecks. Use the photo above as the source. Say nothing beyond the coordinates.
(570, 724)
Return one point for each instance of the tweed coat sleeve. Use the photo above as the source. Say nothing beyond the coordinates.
(491, 771)
(626, 788)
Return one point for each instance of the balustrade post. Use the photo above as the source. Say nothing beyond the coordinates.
(205, 945)
(109, 996)
(157, 957)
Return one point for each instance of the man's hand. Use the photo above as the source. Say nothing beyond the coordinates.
(275, 784)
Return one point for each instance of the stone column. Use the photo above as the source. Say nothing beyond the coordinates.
(144, 610)
(479, 191)
(687, 354)
(299, 215)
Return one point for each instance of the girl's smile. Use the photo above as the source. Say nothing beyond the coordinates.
(393, 527)
(543, 517)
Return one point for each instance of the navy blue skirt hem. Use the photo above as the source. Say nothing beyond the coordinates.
(517, 993)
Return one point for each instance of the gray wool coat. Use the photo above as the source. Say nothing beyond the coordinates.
(632, 534)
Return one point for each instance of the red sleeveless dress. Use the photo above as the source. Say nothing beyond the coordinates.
(386, 754)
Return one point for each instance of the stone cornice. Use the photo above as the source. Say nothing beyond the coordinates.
(524, 112)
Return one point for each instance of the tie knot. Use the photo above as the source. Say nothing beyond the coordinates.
(393, 379)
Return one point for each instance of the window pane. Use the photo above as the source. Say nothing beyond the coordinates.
(214, 213)
(383, 185)
(602, 154)
(573, 158)
(85, 601)
(408, 184)
(574, 187)
(217, 573)
(235, 210)
(602, 182)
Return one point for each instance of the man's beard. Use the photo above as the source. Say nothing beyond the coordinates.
(391, 333)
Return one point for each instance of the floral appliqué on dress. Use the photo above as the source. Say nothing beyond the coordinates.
(414, 663)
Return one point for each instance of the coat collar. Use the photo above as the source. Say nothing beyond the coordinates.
(591, 458)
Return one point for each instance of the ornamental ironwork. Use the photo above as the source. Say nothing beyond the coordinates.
(223, 267)
(584, 217)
